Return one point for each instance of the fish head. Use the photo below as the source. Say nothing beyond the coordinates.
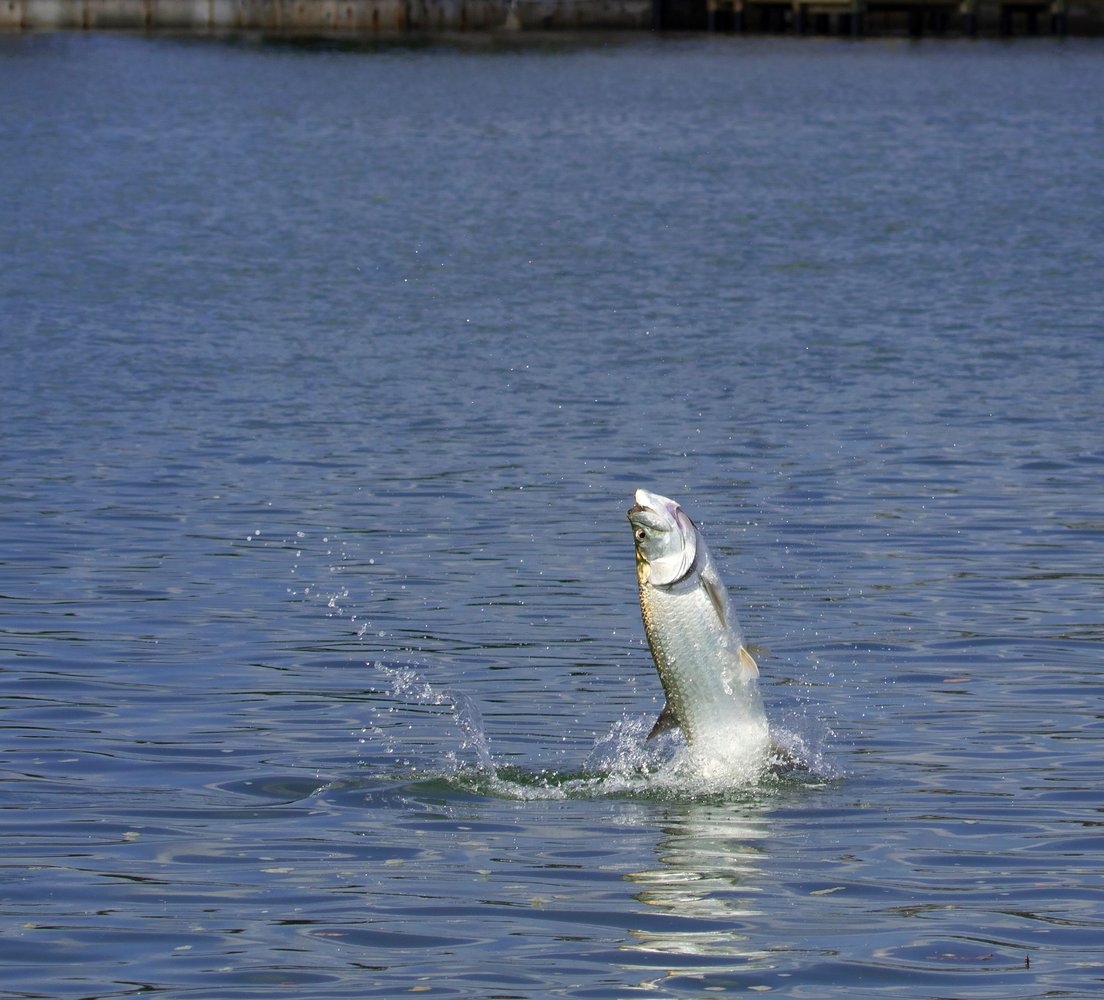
(665, 537)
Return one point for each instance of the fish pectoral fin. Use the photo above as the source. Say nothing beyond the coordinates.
(716, 598)
(665, 723)
(748, 664)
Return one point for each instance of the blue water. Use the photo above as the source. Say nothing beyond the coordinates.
(328, 378)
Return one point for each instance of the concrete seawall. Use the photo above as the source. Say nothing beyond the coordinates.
(368, 19)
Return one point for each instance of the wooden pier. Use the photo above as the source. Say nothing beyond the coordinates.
(369, 19)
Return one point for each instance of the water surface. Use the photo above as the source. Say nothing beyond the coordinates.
(328, 380)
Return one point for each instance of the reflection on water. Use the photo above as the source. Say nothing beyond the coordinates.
(709, 870)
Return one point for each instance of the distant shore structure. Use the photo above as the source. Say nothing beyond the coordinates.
(362, 21)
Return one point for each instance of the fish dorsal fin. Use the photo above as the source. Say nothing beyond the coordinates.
(716, 598)
(748, 664)
(665, 723)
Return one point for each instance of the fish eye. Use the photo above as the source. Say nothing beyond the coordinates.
(640, 534)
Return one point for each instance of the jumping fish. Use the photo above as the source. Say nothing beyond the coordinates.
(709, 677)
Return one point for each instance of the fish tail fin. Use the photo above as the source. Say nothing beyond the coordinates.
(747, 664)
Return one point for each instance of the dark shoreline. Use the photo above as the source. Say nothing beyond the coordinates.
(365, 22)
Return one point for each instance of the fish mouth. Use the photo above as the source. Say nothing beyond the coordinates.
(648, 505)
(648, 517)
(655, 511)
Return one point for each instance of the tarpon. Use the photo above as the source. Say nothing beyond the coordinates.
(709, 677)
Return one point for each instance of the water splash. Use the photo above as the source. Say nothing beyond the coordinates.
(622, 763)
(455, 749)
(408, 685)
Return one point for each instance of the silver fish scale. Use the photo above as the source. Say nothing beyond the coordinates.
(697, 657)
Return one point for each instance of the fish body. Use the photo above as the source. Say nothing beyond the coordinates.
(709, 678)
